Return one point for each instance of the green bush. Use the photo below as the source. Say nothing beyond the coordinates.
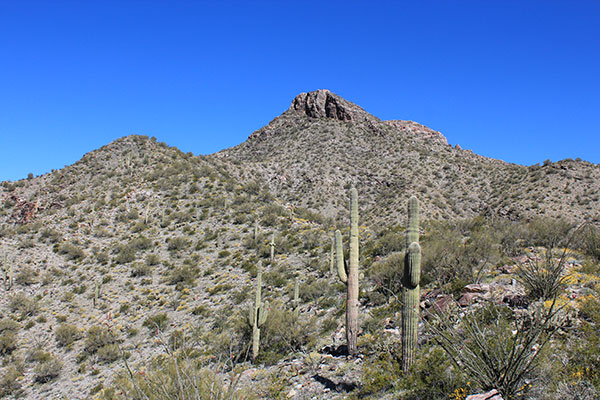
(47, 370)
(108, 353)
(170, 378)
(9, 382)
(97, 337)
(71, 251)
(23, 304)
(157, 322)
(66, 334)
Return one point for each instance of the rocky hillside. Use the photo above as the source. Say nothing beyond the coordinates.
(323, 144)
(138, 255)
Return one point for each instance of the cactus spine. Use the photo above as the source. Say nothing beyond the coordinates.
(257, 316)
(411, 288)
(350, 275)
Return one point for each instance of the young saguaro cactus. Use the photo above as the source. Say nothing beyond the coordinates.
(350, 275)
(257, 315)
(272, 244)
(296, 301)
(411, 289)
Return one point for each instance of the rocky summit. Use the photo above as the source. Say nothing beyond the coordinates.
(141, 272)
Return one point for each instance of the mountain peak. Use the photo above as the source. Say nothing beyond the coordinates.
(324, 104)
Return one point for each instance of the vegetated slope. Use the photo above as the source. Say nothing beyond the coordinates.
(323, 144)
(168, 238)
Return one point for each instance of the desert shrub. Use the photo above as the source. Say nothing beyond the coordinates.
(125, 254)
(549, 232)
(71, 251)
(97, 337)
(282, 334)
(8, 342)
(386, 274)
(108, 353)
(433, 376)
(66, 334)
(588, 239)
(23, 304)
(26, 276)
(314, 290)
(171, 378)
(177, 243)
(156, 322)
(458, 251)
(182, 274)
(579, 390)
(47, 370)
(9, 382)
(543, 277)
(495, 348)
(152, 259)
(140, 269)
(583, 348)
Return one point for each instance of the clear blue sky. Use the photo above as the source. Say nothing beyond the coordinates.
(515, 80)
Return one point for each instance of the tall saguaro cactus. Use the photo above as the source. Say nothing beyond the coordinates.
(350, 275)
(411, 288)
(257, 316)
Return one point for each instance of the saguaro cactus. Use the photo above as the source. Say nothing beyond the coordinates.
(411, 288)
(96, 293)
(350, 275)
(296, 301)
(332, 257)
(272, 244)
(257, 316)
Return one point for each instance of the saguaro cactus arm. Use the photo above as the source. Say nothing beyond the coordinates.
(339, 256)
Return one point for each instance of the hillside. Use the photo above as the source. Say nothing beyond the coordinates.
(323, 144)
(139, 254)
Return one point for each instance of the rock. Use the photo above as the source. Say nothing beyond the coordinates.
(441, 303)
(491, 395)
(324, 104)
(468, 298)
(476, 288)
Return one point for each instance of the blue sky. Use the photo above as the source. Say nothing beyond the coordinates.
(515, 80)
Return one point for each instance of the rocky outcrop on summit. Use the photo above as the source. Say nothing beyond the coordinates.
(324, 104)
(323, 144)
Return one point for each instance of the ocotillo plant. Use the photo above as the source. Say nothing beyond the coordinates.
(272, 244)
(411, 288)
(350, 276)
(257, 316)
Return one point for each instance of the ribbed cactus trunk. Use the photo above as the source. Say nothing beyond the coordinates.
(257, 316)
(332, 257)
(272, 244)
(411, 289)
(352, 284)
(339, 257)
(296, 301)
